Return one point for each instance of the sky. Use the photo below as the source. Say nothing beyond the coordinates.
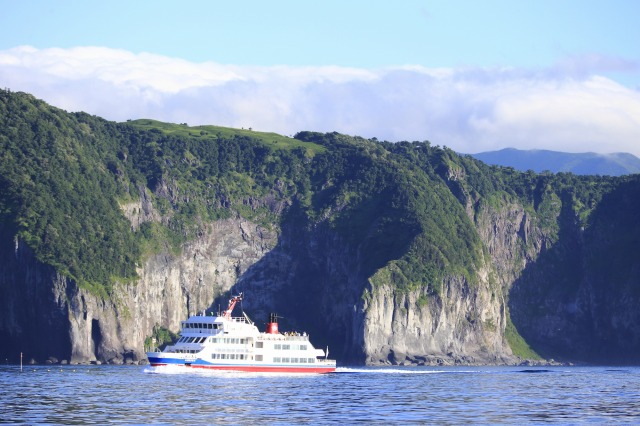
(471, 75)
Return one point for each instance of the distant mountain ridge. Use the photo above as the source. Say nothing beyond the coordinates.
(539, 160)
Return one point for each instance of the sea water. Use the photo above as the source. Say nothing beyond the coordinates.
(455, 395)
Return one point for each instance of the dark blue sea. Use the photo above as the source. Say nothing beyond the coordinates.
(455, 395)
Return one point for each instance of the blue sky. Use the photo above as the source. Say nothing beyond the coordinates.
(471, 75)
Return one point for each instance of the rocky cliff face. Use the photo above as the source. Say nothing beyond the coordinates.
(307, 274)
(47, 315)
(33, 298)
(580, 297)
(316, 282)
(463, 325)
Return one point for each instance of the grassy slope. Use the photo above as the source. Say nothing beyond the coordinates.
(270, 139)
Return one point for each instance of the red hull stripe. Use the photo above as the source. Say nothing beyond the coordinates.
(256, 369)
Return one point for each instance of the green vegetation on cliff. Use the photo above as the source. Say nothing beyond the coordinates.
(66, 176)
(63, 178)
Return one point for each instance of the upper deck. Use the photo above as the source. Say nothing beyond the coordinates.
(212, 325)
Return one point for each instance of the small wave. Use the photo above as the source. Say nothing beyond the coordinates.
(165, 369)
(387, 370)
(534, 371)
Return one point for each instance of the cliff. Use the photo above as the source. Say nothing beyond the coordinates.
(388, 253)
(47, 316)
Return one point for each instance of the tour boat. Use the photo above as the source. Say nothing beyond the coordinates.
(231, 343)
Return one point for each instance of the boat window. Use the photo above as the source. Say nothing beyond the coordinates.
(286, 360)
(277, 359)
(312, 360)
(295, 360)
(277, 346)
(259, 345)
(303, 347)
(258, 357)
(286, 347)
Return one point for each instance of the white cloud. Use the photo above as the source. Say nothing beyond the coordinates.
(567, 107)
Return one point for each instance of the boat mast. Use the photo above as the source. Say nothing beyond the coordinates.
(232, 304)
